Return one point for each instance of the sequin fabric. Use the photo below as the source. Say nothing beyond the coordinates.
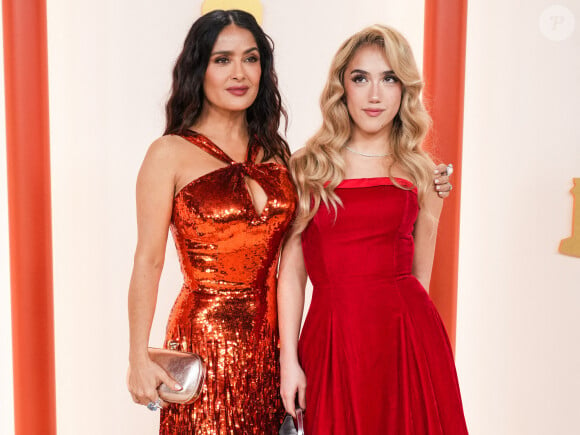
(226, 310)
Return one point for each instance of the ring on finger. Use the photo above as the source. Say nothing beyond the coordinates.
(449, 169)
(154, 406)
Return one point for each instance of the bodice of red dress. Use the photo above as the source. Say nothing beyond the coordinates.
(226, 310)
(371, 237)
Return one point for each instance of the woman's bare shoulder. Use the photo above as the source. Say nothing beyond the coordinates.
(163, 156)
(399, 171)
(165, 145)
(173, 149)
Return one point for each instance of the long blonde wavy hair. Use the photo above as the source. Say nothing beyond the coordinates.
(318, 168)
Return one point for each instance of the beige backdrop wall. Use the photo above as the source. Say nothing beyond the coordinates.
(518, 324)
(110, 66)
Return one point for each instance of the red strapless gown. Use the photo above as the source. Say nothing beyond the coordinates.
(226, 310)
(375, 352)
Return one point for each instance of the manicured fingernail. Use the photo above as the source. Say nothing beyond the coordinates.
(178, 387)
(436, 180)
(436, 171)
(437, 187)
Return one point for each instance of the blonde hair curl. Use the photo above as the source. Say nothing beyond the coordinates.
(318, 168)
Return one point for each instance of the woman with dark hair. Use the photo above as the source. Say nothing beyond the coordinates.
(218, 180)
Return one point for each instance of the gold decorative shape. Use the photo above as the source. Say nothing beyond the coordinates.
(254, 7)
(571, 245)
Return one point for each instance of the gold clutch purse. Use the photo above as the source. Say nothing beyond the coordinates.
(186, 368)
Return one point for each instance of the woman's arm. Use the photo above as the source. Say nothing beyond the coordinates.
(155, 189)
(291, 283)
(425, 235)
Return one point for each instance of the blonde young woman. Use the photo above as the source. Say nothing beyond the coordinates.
(373, 356)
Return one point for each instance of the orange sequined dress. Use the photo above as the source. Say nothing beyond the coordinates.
(226, 310)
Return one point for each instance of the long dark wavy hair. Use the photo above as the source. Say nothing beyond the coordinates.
(186, 102)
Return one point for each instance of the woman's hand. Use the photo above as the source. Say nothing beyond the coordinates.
(144, 377)
(441, 179)
(292, 382)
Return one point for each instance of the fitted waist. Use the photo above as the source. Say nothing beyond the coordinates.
(233, 289)
(388, 293)
(358, 280)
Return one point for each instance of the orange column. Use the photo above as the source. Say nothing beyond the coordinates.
(444, 71)
(29, 215)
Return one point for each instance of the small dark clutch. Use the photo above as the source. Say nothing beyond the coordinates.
(186, 368)
(289, 428)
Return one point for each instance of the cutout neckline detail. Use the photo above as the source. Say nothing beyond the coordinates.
(246, 171)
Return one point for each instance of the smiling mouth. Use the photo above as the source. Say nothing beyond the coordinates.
(238, 90)
(373, 112)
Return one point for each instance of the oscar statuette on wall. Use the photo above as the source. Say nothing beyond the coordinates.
(253, 7)
(571, 245)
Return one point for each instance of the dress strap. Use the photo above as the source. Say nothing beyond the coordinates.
(207, 145)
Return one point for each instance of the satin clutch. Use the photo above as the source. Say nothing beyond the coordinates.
(289, 428)
(186, 368)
